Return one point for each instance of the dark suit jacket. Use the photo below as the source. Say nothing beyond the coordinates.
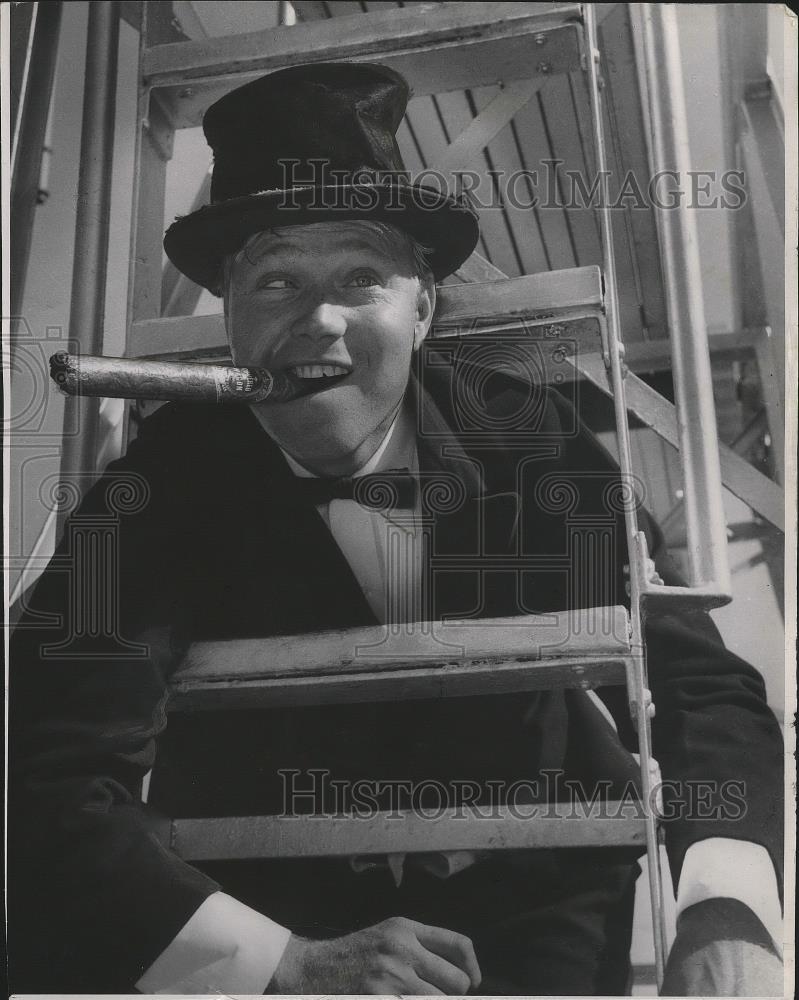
(217, 545)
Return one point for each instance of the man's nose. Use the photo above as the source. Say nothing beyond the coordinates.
(324, 320)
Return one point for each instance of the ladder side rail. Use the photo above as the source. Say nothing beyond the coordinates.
(87, 300)
(30, 135)
(153, 146)
(638, 691)
(679, 243)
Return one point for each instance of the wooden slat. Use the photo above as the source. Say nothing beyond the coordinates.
(519, 229)
(424, 26)
(550, 292)
(156, 150)
(434, 121)
(437, 47)
(494, 116)
(531, 141)
(408, 148)
(581, 332)
(180, 295)
(477, 268)
(561, 127)
(431, 141)
(444, 680)
(655, 355)
(570, 649)
(630, 292)
(310, 10)
(175, 334)
(628, 132)
(202, 338)
(453, 114)
(378, 647)
(644, 357)
(490, 128)
(198, 333)
(741, 478)
(763, 157)
(652, 464)
(375, 6)
(608, 824)
(345, 8)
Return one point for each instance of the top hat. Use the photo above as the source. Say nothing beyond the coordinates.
(314, 144)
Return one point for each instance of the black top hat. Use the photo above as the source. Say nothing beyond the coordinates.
(314, 144)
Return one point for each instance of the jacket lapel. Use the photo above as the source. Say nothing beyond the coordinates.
(278, 570)
(275, 568)
(472, 537)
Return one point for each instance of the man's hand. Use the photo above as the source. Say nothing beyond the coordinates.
(722, 950)
(395, 957)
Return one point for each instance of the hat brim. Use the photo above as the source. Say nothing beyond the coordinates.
(198, 243)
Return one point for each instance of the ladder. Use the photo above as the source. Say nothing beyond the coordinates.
(574, 315)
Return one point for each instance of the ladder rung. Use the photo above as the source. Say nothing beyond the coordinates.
(543, 344)
(439, 681)
(679, 600)
(571, 289)
(585, 648)
(605, 824)
(569, 293)
(643, 357)
(484, 45)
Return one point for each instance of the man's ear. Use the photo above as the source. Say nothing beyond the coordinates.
(425, 310)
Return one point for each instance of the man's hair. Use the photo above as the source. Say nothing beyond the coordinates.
(396, 240)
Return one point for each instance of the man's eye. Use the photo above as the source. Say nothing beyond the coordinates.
(276, 283)
(364, 280)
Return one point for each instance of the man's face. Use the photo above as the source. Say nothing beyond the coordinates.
(339, 305)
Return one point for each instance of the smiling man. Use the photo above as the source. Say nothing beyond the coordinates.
(343, 305)
(265, 521)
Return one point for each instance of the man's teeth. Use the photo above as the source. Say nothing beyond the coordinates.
(318, 371)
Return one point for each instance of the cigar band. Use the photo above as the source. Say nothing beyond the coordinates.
(245, 383)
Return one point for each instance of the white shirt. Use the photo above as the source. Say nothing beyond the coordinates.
(383, 548)
(227, 947)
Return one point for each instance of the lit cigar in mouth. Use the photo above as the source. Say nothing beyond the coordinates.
(128, 378)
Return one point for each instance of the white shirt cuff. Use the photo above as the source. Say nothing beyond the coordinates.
(735, 869)
(225, 947)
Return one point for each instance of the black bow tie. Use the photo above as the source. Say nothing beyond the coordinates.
(392, 489)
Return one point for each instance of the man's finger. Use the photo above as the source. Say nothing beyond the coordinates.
(418, 987)
(455, 948)
(439, 972)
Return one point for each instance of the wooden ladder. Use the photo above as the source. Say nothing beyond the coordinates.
(571, 315)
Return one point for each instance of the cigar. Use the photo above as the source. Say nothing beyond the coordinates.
(127, 378)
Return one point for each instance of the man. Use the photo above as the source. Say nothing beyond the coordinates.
(239, 531)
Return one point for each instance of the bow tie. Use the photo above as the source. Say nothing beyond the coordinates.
(392, 489)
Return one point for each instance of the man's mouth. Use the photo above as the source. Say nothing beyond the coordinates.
(318, 371)
(317, 377)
